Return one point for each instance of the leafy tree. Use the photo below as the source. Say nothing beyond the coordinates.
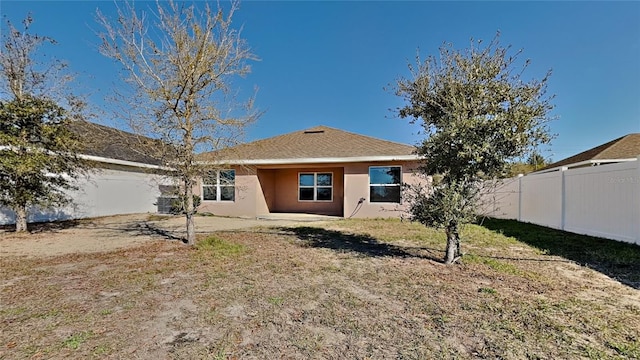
(38, 152)
(517, 168)
(179, 67)
(478, 114)
(536, 160)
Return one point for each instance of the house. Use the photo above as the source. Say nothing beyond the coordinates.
(321, 170)
(625, 148)
(125, 181)
(315, 171)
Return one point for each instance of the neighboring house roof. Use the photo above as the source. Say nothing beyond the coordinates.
(103, 143)
(317, 144)
(626, 147)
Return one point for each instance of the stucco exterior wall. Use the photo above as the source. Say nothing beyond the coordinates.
(356, 186)
(273, 189)
(246, 203)
(286, 192)
(112, 190)
(265, 190)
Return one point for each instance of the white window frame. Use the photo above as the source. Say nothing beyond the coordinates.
(315, 186)
(399, 185)
(218, 186)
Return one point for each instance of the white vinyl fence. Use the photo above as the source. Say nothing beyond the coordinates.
(601, 201)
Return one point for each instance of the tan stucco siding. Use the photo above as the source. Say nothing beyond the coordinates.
(245, 203)
(265, 191)
(356, 186)
(275, 189)
(286, 192)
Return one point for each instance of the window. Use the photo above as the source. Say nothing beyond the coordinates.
(220, 185)
(315, 187)
(384, 184)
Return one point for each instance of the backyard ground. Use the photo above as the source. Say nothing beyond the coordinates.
(124, 288)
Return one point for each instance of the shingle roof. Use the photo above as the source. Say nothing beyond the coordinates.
(314, 143)
(625, 147)
(107, 142)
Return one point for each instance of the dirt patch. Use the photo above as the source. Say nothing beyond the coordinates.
(96, 235)
(115, 232)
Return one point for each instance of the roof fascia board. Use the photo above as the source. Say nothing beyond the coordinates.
(326, 160)
(122, 162)
(585, 162)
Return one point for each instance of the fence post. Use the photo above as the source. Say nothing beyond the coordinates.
(520, 197)
(563, 197)
(636, 182)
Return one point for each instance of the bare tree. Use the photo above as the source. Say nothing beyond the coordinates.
(38, 151)
(179, 62)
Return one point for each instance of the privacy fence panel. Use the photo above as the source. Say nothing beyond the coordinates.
(603, 201)
(541, 199)
(600, 200)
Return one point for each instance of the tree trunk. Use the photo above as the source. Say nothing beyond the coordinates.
(189, 212)
(453, 252)
(21, 219)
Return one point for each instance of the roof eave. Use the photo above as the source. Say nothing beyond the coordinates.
(324, 160)
(593, 162)
(122, 162)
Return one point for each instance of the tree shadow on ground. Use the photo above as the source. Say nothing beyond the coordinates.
(364, 245)
(40, 227)
(618, 260)
(141, 228)
(145, 228)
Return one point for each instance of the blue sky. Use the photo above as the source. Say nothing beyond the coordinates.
(329, 62)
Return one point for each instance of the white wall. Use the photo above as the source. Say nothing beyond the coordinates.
(601, 201)
(107, 192)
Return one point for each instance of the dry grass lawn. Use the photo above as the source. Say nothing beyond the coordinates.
(350, 289)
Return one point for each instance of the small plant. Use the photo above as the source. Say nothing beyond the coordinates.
(441, 319)
(101, 350)
(74, 341)
(277, 301)
(497, 265)
(219, 248)
(221, 354)
(487, 290)
(631, 350)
